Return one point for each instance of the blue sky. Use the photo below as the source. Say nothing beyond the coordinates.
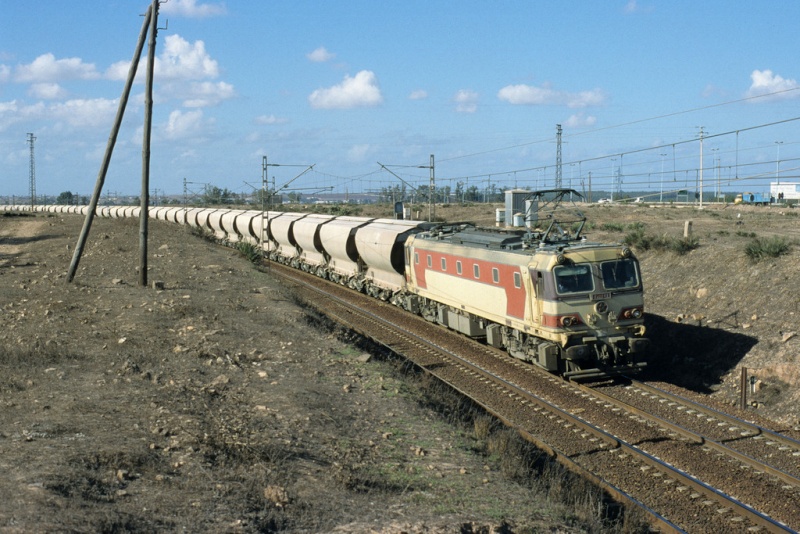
(344, 85)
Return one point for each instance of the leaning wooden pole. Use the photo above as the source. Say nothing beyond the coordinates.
(148, 122)
(112, 140)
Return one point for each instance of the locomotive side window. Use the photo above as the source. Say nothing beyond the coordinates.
(573, 279)
(458, 267)
(444, 264)
(496, 275)
(620, 274)
(416, 258)
(517, 280)
(430, 261)
(476, 270)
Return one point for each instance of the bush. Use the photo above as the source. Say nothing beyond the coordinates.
(683, 245)
(770, 247)
(638, 239)
(249, 251)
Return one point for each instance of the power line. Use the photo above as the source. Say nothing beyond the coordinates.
(639, 121)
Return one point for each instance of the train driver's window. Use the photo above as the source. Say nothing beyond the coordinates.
(573, 279)
(621, 274)
(517, 280)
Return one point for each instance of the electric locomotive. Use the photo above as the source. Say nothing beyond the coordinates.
(549, 297)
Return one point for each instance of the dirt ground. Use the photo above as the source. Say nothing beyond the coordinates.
(223, 403)
(220, 404)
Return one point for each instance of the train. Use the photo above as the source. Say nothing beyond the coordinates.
(547, 296)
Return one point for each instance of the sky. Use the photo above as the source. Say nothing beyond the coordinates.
(367, 92)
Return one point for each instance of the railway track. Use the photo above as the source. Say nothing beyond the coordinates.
(604, 439)
(773, 453)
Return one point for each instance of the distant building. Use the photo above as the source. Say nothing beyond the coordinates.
(790, 190)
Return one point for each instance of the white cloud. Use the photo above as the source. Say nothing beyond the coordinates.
(180, 60)
(8, 114)
(270, 119)
(46, 68)
(580, 120)
(89, 113)
(419, 94)
(530, 95)
(183, 124)
(191, 9)
(320, 55)
(204, 94)
(47, 91)
(5, 107)
(5, 73)
(466, 101)
(184, 61)
(359, 91)
(358, 153)
(765, 82)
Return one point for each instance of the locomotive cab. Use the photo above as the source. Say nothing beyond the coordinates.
(597, 302)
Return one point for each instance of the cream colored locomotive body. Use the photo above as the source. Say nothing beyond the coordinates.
(576, 309)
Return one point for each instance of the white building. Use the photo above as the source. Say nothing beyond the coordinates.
(790, 190)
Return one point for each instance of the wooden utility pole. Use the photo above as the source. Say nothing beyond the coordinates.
(148, 120)
(112, 140)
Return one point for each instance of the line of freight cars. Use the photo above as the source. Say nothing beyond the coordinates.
(570, 306)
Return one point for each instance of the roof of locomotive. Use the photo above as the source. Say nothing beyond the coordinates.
(506, 240)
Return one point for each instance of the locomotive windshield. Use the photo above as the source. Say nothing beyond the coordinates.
(573, 279)
(620, 274)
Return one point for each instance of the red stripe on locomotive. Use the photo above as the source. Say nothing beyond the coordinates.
(515, 296)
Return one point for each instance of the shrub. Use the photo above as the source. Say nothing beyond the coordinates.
(683, 245)
(249, 251)
(769, 247)
(637, 238)
(612, 227)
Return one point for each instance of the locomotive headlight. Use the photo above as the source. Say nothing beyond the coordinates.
(566, 322)
(632, 313)
(560, 259)
(601, 307)
(625, 252)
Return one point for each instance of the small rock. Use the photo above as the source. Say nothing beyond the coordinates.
(116, 281)
(221, 379)
(787, 336)
(276, 495)
(702, 293)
